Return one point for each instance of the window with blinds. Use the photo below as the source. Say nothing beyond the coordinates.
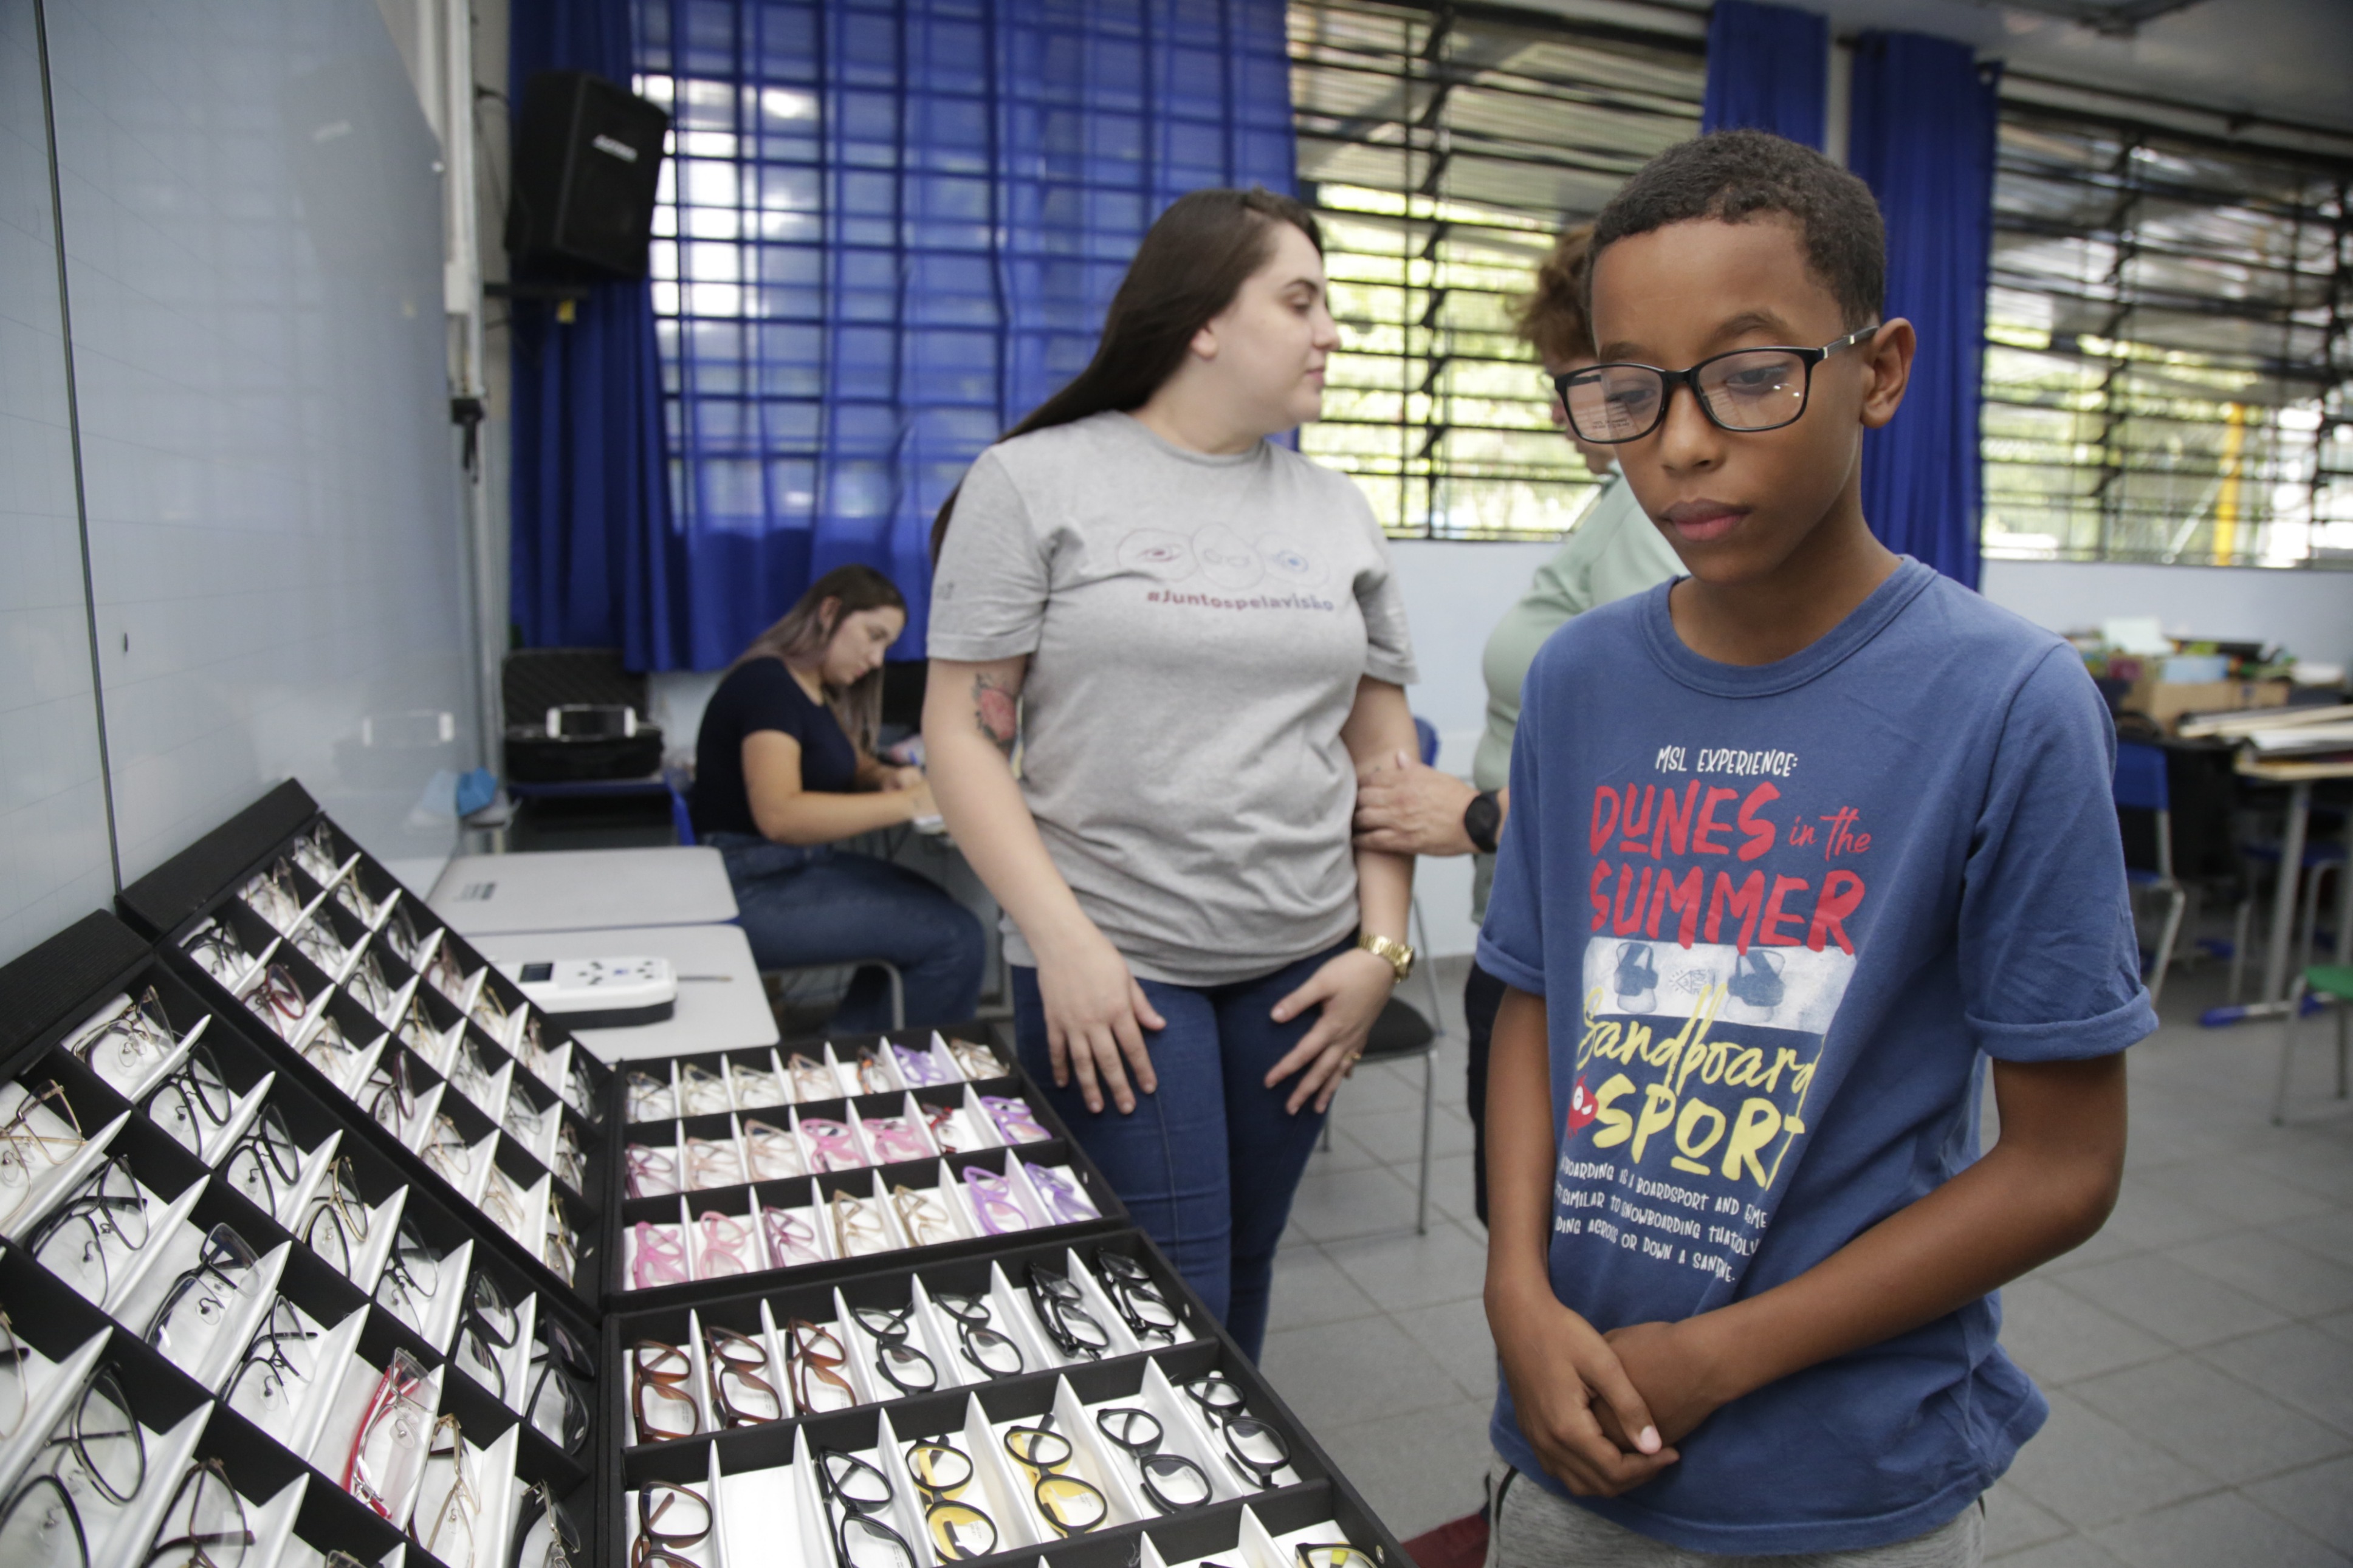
(2167, 352)
(1443, 147)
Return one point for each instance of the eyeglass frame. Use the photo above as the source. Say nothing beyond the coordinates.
(897, 1335)
(969, 1325)
(197, 1556)
(209, 1262)
(938, 1499)
(274, 1357)
(1689, 377)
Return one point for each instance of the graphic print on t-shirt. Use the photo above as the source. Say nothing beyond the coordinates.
(1719, 955)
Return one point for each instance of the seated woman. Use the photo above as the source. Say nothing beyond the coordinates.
(784, 768)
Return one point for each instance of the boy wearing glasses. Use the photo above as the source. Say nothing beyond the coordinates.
(1801, 843)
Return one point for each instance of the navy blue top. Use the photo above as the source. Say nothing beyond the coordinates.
(763, 695)
(1781, 915)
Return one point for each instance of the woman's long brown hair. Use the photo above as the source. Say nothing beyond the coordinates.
(808, 627)
(1192, 263)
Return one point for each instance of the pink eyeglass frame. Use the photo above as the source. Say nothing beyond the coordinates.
(729, 1250)
(659, 1259)
(834, 1148)
(792, 1240)
(894, 1140)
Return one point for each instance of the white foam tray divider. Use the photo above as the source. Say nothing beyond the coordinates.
(535, 1199)
(494, 1101)
(52, 1385)
(338, 1354)
(762, 1509)
(447, 1302)
(62, 1177)
(500, 1498)
(744, 1097)
(421, 1112)
(272, 1523)
(292, 1203)
(809, 1217)
(809, 1503)
(1009, 1306)
(283, 1426)
(515, 1361)
(383, 1232)
(1006, 1493)
(252, 1305)
(863, 1144)
(217, 1145)
(126, 1287)
(1186, 1431)
(711, 1552)
(134, 1528)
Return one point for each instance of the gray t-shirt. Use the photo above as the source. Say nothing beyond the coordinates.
(1196, 627)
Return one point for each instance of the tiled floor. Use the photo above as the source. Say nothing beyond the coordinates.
(2198, 1353)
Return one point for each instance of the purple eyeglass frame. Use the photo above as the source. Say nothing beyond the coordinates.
(1067, 1204)
(989, 1191)
(1013, 1120)
(919, 1068)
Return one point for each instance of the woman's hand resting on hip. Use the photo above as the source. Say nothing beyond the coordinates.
(1095, 1017)
(1351, 988)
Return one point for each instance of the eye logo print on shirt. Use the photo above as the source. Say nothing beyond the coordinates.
(1227, 558)
(1286, 564)
(1158, 552)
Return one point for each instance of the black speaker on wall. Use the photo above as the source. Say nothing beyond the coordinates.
(588, 157)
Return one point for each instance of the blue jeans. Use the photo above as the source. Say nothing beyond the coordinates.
(805, 905)
(1207, 1165)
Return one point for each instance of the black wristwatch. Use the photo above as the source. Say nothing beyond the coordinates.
(1481, 820)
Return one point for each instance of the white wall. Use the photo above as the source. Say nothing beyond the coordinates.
(252, 249)
(2309, 613)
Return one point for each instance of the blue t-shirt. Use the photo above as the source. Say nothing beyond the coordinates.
(1780, 913)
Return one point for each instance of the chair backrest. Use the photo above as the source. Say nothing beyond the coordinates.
(1427, 733)
(2140, 776)
(681, 817)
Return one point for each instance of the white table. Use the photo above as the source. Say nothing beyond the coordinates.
(583, 890)
(721, 1004)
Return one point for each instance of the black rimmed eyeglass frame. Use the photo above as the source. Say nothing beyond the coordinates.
(1605, 402)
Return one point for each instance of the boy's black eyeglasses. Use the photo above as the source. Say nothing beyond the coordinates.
(1746, 390)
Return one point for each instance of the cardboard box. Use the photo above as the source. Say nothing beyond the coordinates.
(2167, 703)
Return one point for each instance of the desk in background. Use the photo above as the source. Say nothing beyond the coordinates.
(583, 890)
(722, 1005)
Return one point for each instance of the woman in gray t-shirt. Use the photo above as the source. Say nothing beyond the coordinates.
(1193, 637)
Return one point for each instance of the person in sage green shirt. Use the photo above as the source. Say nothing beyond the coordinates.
(1612, 551)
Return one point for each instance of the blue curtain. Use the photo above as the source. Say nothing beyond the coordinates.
(898, 223)
(594, 562)
(1767, 69)
(1925, 119)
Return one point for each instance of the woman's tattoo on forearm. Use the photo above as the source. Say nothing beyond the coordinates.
(994, 709)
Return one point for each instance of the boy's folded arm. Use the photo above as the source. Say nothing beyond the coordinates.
(2044, 1189)
(1562, 1374)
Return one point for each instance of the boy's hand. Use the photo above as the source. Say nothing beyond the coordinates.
(1564, 1377)
(1673, 1365)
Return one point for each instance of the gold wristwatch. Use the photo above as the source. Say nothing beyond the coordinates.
(1398, 956)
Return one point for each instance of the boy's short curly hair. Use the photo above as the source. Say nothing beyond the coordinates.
(1551, 317)
(1735, 176)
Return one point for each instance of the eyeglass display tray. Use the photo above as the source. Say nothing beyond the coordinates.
(943, 1176)
(426, 1040)
(186, 1390)
(759, 1480)
(292, 1487)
